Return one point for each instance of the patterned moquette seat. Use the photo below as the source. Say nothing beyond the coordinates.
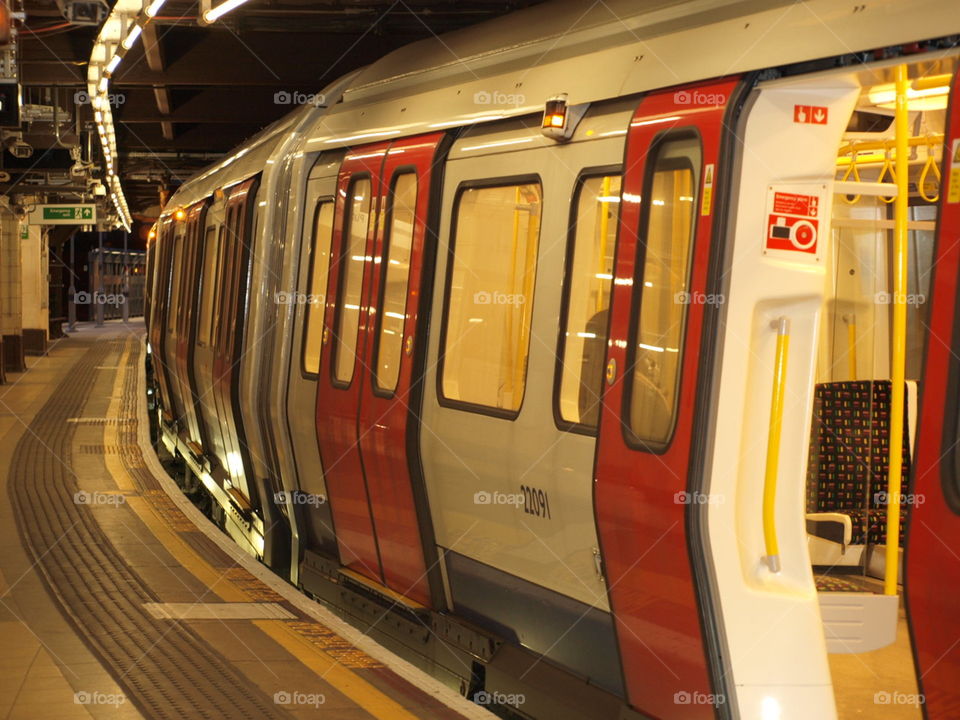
(847, 470)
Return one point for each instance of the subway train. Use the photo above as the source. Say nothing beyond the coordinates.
(569, 354)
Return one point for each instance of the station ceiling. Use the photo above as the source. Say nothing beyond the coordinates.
(187, 93)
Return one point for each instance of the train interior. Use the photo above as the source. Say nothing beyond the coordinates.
(847, 492)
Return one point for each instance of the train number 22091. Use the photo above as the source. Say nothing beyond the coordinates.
(535, 502)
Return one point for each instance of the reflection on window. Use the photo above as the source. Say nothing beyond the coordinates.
(491, 295)
(588, 298)
(355, 233)
(403, 205)
(317, 285)
(177, 282)
(666, 269)
(219, 291)
(208, 284)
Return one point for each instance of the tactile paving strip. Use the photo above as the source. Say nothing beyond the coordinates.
(333, 645)
(164, 668)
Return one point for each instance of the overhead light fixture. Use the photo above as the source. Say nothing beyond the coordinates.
(213, 14)
(923, 94)
(112, 65)
(154, 7)
(104, 84)
(131, 37)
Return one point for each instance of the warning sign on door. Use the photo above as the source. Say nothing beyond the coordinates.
(953, 192)
(794, 221)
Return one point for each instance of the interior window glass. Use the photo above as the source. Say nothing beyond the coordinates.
(316, 297)
(667, 242)
(589, 279)
(403, 205)
(208, 283)
(355, 233)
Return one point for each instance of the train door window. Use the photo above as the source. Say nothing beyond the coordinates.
(393, 310)
(354, 251)
(218, 283)
(177, 280)
(490, 295)
(317, 287)
(589, 277)
(665, 245)
(207, 285)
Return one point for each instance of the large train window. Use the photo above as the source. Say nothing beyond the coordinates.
(659, 318)
(589, 275)
(490, 295)
(317, 287)
(354, 253)
(208, 284)
(393, 310)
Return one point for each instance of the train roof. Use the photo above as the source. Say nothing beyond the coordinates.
(242, 162)
(509, 66)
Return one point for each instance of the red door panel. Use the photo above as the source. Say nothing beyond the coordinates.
(642, 528)
(363, 426)
(932, 560)
(338, 401)
(385, 412)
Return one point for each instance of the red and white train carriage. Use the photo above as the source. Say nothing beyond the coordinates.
(512, 346)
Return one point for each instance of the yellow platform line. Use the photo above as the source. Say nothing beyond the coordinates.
(113, 463)
(210, 576)
(343, 679)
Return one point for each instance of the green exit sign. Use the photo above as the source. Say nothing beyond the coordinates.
(63, 215)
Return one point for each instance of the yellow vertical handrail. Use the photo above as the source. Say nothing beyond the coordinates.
(604, 230)
(509, 349)
(851, 321)
(899, 339)
(773, 445)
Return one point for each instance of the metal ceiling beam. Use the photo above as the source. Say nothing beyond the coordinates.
(153, 52)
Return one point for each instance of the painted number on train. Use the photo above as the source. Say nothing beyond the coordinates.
(535, 501)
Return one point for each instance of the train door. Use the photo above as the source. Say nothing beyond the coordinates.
(211, 301)
(932, 562)
(315, 250)
(646, 428)
(390, 398)
(176, 236)
(159, 304)
(186, 322)
(236, 238)
(367, 387)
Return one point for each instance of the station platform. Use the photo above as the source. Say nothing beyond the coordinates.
(118, 599)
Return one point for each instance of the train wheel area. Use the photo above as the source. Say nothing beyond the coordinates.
(116, 603)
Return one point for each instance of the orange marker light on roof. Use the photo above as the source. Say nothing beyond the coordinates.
(560, 119)
(180, 214)
(555, 112)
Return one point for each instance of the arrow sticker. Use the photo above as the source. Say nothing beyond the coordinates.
(810, 114)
